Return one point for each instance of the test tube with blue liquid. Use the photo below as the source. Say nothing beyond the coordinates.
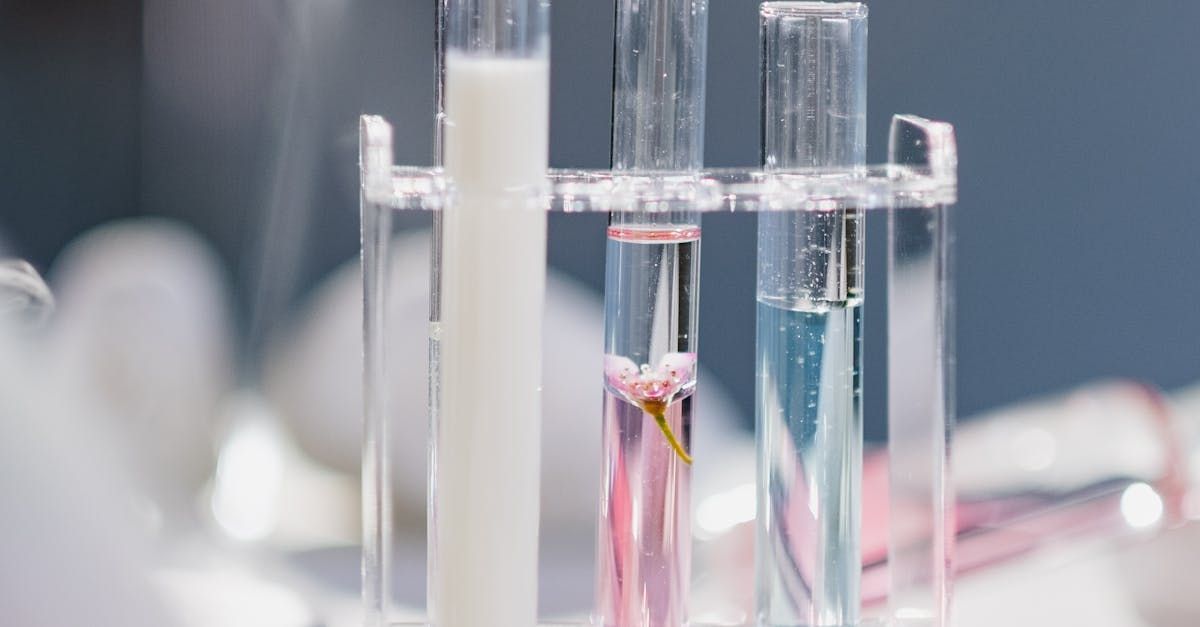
(809, 328)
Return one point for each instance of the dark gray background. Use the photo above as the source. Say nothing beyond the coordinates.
(1077, 125)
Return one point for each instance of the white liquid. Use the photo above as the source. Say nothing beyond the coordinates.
(486, 464)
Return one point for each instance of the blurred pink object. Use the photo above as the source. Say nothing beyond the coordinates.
(1103, 462)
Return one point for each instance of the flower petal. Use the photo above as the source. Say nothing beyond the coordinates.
(640, 384)
(684, 365)
(620, 372)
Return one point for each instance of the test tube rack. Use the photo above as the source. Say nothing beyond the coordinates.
(916, 189)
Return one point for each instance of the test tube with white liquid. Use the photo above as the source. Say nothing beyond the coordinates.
(486, 326)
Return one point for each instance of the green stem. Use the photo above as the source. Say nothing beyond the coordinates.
(661, 419)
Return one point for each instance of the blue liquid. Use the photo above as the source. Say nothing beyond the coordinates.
(810, 460)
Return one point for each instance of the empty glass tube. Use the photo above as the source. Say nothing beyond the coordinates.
(651, 287)
(809, 340)
(486, 325)
(920, 383)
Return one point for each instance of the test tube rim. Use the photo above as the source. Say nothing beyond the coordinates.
(784, 9)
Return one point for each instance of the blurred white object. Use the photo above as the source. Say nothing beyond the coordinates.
(1103, 430)
(1079, 588)
(143, 334)
(69, 535)
(228, 595)
(109, 427)
(246, 487)
(266, 489)
(1160, 576)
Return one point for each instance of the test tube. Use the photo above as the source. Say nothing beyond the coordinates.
(651, 288)
(920, 384)
(486, 325)
(809, 338)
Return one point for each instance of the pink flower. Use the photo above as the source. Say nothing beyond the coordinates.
(653, 390)
(638, 385)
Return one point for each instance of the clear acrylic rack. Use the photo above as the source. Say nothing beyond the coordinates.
(916, 188)
(918, 177)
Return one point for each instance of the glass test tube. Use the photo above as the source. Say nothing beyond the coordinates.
(651, 288)
(920, 384)
(485, 331)
(809, 340)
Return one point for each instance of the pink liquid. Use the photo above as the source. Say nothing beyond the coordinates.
(644, 550)
(667, 235)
